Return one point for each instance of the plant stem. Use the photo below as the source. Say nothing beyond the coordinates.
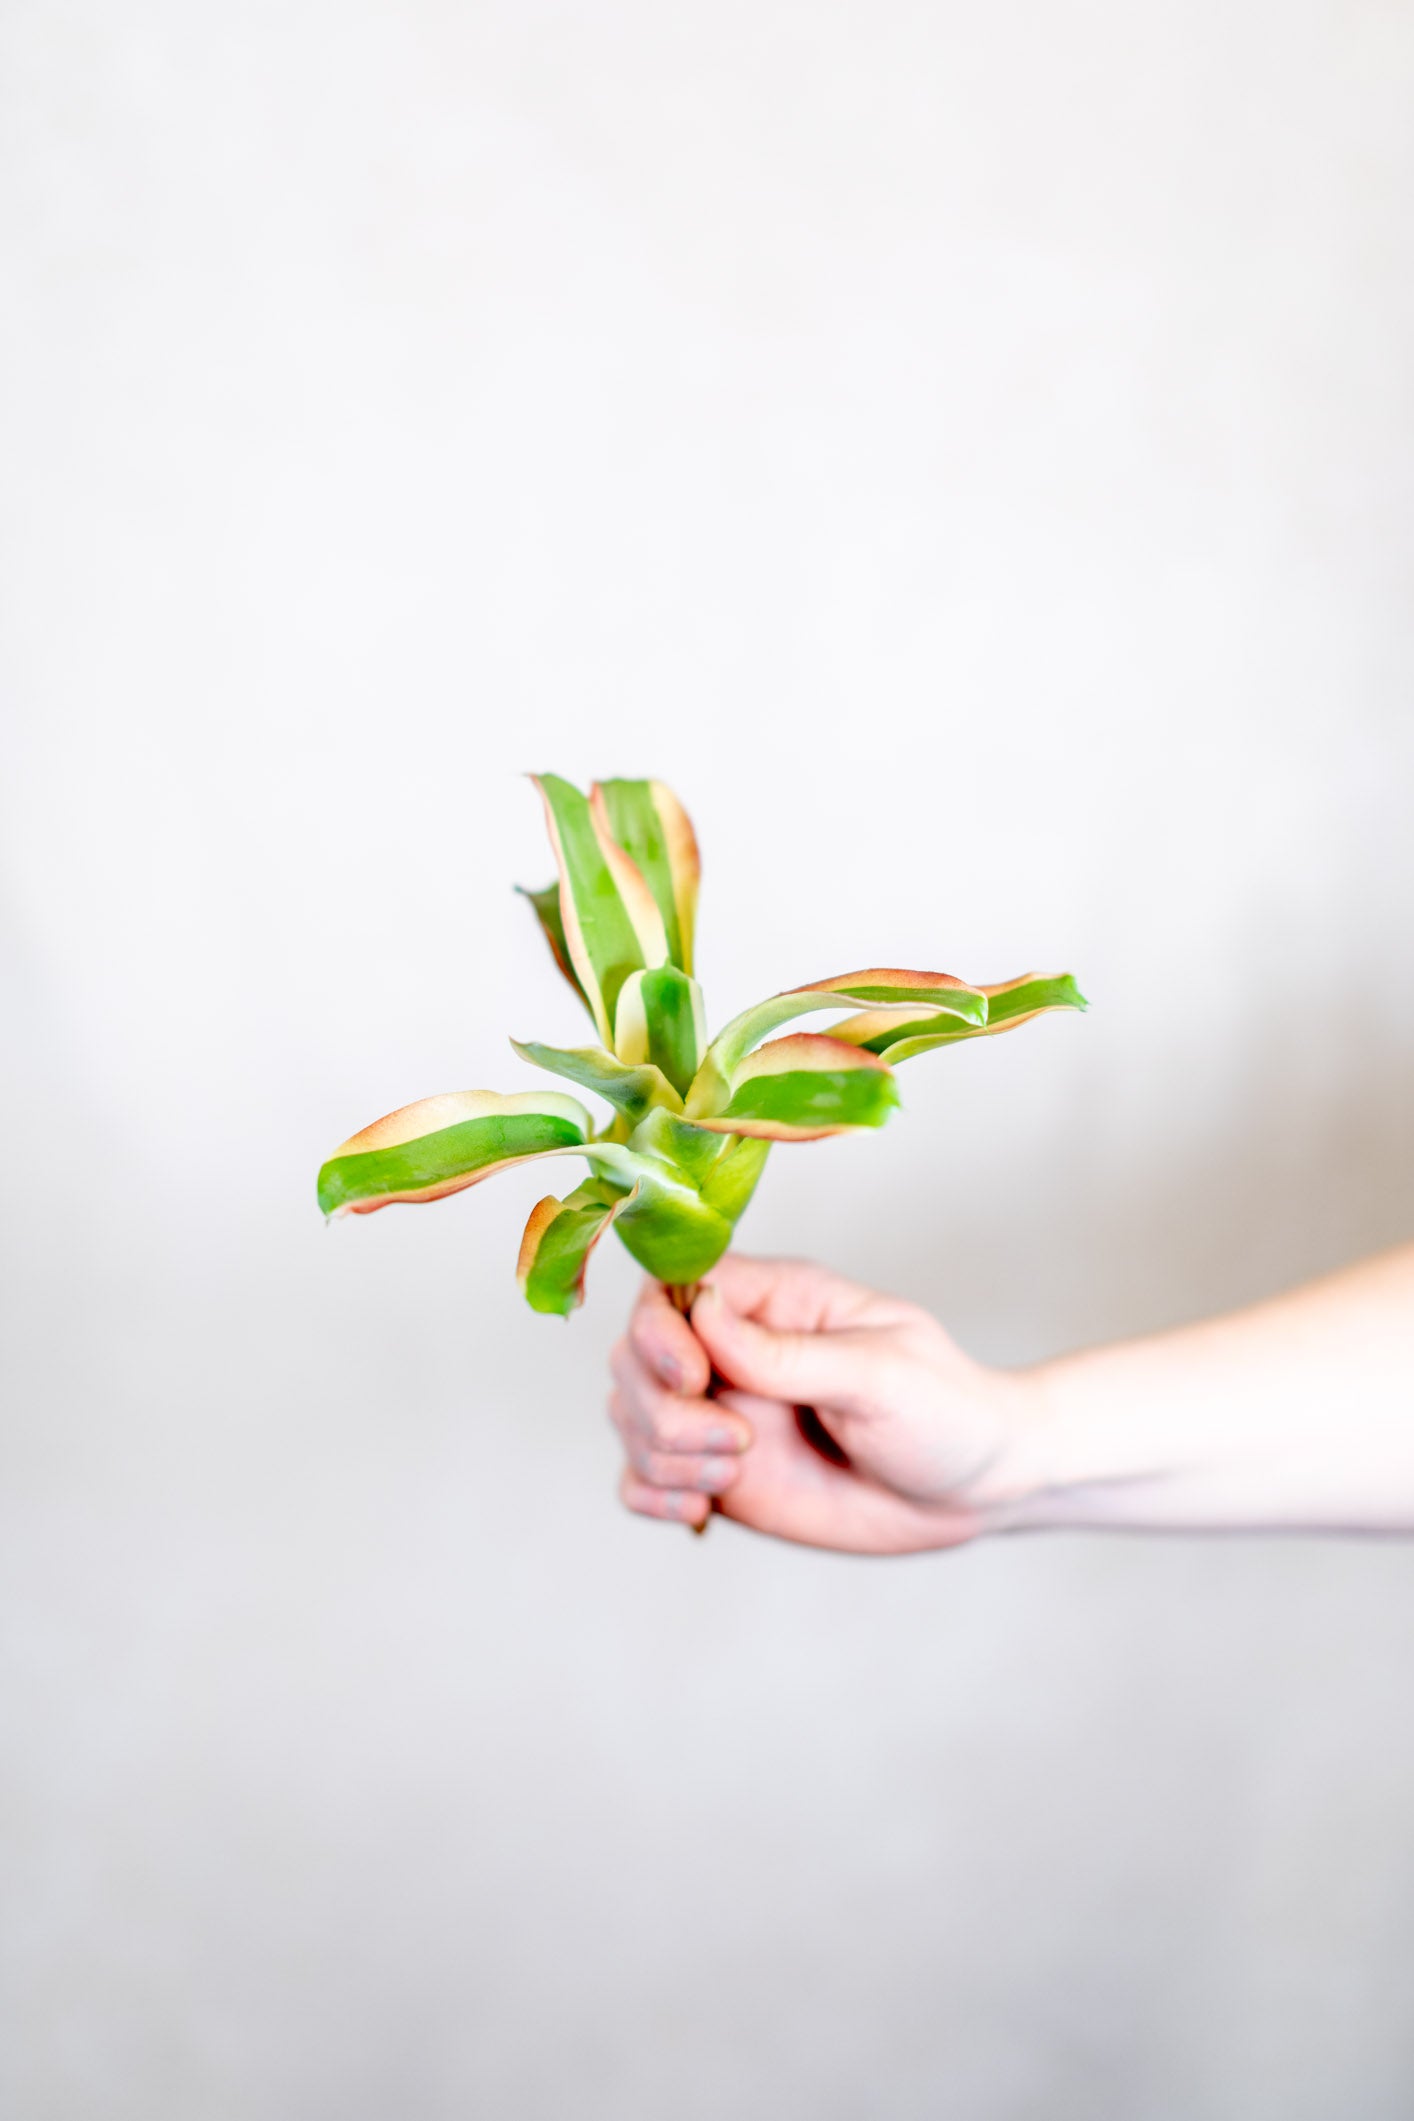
(680, 1295)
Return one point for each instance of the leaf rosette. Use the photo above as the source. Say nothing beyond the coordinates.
(691, 1119)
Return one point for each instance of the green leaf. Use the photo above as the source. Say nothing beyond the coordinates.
(687, 1150)
(942, 994)
(677, 1240)
(802, 1087)
(634, 1091)
(667, 1226)
(650, 824)
(547, 912)
(440, 1145)
(660, 1021)
(806, 1104)
(900, 1034)
(732, 1180)
(559, 1237)
(612, 925)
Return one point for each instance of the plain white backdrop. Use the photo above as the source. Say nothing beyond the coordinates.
(970, 453)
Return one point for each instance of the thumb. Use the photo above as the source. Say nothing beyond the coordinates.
(802, 1368)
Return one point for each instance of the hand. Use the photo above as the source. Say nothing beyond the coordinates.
(844, 1419)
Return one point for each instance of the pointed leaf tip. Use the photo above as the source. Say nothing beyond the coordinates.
(545, 904)
(887, 987)
(633, 1090)
(900, 1033)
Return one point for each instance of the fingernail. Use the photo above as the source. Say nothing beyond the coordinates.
(723, 1439)
(670, 1370)
(717, 1473)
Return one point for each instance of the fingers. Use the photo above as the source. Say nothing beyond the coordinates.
(675, 1470)
(681, 1452)
(674, 1505)
(666, 1344)
(796, 1295)
(785, 1330)
(837, 1367)
(664, 1421)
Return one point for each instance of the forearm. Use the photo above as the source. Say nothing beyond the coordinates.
(1298, 1413)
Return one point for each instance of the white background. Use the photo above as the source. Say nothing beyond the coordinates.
(968, 451)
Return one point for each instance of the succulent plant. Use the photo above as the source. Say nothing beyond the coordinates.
(692, 1120)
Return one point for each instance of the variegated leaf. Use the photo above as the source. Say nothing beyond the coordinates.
(724, 1171)
(547, 911)
(803, 1087)
(559, 1237)
(660, 1021)
(612, 925)
(880, 985)
(676, 1240)
(900, 1033)
(650, 824)
(634, 1091)
(441, 1144)
(730, 1183)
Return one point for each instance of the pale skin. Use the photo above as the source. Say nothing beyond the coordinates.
(1295, 1414)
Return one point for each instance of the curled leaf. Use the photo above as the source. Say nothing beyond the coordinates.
(649, 823)
(900, 1033)
(633, 1090)
(559, 1237)
(804, 1087)
(440, 1145)
(660, 1021)
(611, 922)
(886, 985)
(547, 911)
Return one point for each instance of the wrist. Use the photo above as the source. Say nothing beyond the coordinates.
(1019, 1482)
(1069, 1459)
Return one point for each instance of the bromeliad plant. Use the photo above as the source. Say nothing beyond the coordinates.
(693, 1121)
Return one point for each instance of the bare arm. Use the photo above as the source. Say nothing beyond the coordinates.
(1297, 1413)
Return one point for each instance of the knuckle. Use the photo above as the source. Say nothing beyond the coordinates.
(663, 1433)
(681, 1475)
(655, 1412)
(669, 1434)
(638, 1454)
(643, 1345)
(640, 1405)
(678, 1504)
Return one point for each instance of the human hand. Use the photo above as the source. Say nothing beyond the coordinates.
(843, 1418)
